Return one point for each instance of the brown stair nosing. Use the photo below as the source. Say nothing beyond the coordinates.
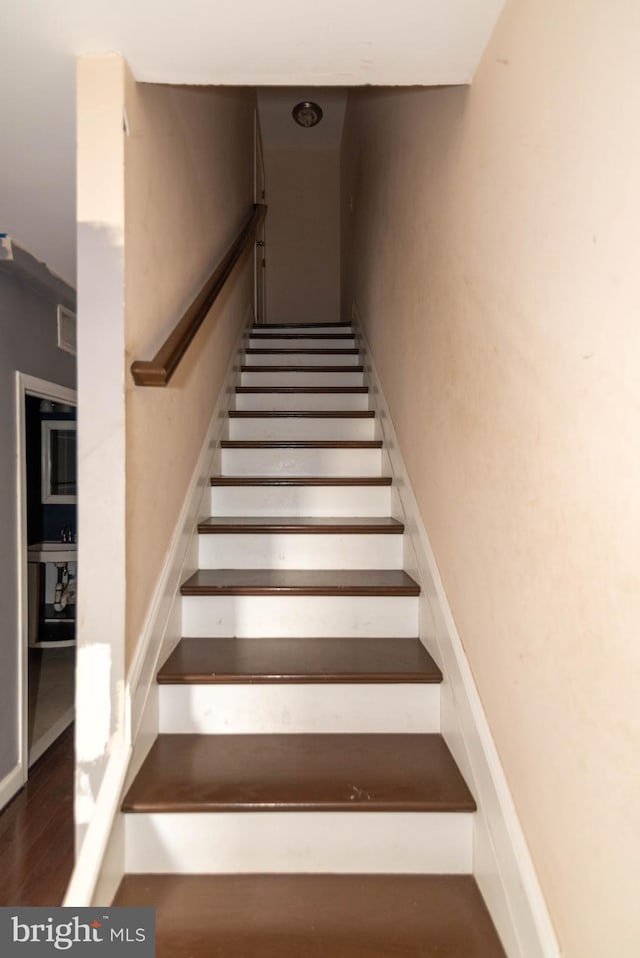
(302, 414)
(250, 351)
(261, 661)
(315, 916)
(303, 525)
(319, 336)
(301, 443)
(300, 369)
(320, 390)
(368, 772)
(300, 582)
(301, 480)
(261, 326)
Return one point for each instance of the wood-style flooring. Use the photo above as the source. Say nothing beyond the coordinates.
(205, 661)
(206, 773)
(36, 832)
(315, 916)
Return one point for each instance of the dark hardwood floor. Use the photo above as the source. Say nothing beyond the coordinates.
(36, 831)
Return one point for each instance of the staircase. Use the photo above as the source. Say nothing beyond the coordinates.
(299, 800)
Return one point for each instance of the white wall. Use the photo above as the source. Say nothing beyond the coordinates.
(101, 426)
(492, 252)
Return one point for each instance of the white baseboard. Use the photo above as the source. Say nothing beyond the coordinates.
(11, 784)
(97, 844)
(101, 862)
(502, 865)
(112, 867)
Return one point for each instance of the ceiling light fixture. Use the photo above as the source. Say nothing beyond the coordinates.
(307, 114)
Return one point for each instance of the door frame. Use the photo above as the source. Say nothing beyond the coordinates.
(259, 189)
(27, 386)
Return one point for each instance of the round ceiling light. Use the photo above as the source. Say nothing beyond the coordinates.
(307, 114)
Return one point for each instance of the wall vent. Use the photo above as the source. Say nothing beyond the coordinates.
(66, 330)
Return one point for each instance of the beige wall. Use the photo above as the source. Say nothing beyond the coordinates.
(303, 235)
(493, 255)
(189, 185)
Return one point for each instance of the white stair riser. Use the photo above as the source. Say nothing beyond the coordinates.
(279, 550)
(291, 378)
(302, 359)
(285, 342)
(265, 709)
(299, 842)
(340, 501)
(330, 429)
(247, 616)
(296, 401)
(301, 462)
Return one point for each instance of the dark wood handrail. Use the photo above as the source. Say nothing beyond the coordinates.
(159, 370)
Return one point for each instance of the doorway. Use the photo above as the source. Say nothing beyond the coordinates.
(47, 557)
(299, 137)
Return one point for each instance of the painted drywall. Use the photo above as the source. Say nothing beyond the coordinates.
(101, 427)
(189, 186)
(492, 253)
(28, 343)
(170, 184)
(302, 236)
(280, 42)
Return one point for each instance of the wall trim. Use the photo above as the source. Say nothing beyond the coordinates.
(87, 870)
(11, 784)
(100, 864)
(26, 385)
(502, 864)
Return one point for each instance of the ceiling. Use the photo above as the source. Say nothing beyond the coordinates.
(273, 43)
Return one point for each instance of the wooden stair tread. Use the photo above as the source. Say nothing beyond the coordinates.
(301, 414)
(206, 661)
(305, 390)
(301, 444)
(251, 351)
(315, 916)
(300, 369)
(300, 524)
(301, 480)
(319, 582)
(263, 326)
(255, 336)
(345, 772)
